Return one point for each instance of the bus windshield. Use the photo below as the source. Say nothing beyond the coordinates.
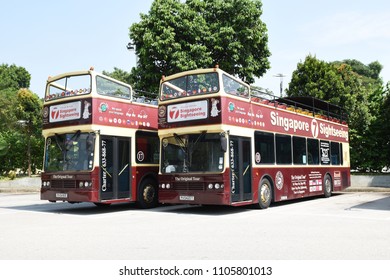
(69, 86)
(69, 152)
(195, 84)
(192, 153)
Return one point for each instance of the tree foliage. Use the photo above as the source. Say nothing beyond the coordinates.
(355, 87)
(178, 36)
(13, 77)
(120, 75)
(20, 121)
(380, 133)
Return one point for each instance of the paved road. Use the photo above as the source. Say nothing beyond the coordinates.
(352, 226)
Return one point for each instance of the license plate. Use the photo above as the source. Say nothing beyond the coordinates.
(61, 195)
(187, 197)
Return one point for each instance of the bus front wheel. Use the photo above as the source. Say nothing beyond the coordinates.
(265, 194)
(147, 194)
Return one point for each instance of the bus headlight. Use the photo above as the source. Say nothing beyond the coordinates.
(163, 186)
(81, 184)
(168, 186)
(217, 186)
(210, 186)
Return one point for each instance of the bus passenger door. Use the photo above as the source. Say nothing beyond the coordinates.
(240, 169)
(123, 172)
(114, 167)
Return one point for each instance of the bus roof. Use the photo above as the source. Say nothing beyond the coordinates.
(73, 73)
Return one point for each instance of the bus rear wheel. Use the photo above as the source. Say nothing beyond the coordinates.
(147, 194)
(265, 194)
(327, 186)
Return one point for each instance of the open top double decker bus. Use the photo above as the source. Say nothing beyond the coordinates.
(223, 143)
(101, 142)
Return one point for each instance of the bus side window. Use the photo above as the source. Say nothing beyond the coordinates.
(147, 147)
(299, 150)
(111, 88)
(313, 152)
(264, 148)
(283, 149)
(233, 87)
(335, 153)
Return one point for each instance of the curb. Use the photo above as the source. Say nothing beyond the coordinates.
(20, 190)
(21, 185)
(366, 189)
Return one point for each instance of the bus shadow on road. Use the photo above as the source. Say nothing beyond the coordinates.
(83, 209)
(89, 209)
(382, 204)
(219, 210)
(203, 210)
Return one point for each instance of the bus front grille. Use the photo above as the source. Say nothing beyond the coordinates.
(188, 187)
(63, 184)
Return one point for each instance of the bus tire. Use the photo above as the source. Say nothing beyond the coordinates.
(265, 194)
(147, 194)
(327, 186)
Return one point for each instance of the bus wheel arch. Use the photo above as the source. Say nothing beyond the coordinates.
(327, 185)
(265, 192)
(147, 195)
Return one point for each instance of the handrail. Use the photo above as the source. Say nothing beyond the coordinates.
(307, 105)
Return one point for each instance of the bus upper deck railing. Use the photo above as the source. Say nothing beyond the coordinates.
(307, 105)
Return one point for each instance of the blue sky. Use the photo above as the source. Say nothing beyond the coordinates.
(50, 37)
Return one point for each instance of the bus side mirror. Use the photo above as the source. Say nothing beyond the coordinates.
(223, 143)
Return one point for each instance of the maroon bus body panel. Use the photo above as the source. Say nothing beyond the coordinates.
(99, 114)
(289, 181)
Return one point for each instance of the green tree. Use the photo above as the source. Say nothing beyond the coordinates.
(178, 36)
(338, 83)
(28, 112)
(316, 78)
(7, 112)
(380, 132)
(14, 77)
(4, 146)
(120, 75)
(20, 121)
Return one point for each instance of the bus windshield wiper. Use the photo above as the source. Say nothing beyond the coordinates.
(184, 148)
(181, 143)
(58, 140)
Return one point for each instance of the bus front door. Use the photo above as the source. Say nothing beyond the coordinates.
(115, 167)
(240, 169)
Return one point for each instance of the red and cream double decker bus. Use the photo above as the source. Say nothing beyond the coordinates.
(101, 142)
(223, 143)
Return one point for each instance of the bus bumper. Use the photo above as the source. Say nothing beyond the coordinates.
(203, 198)
(69, 196)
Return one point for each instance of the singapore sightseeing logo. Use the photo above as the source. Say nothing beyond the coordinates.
(314, 128)
(174, 113)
